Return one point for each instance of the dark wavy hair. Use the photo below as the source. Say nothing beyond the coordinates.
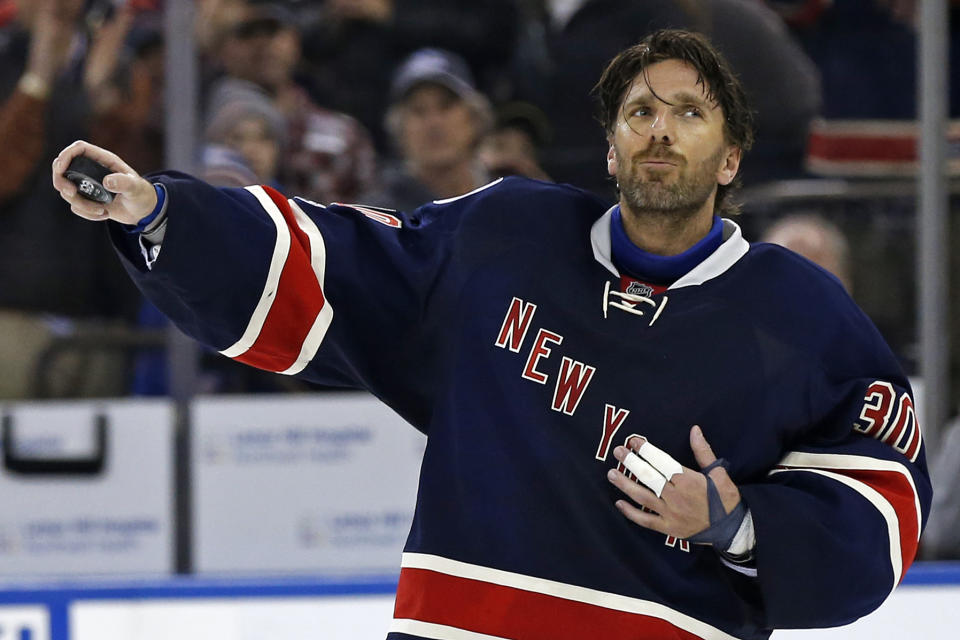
(722, 87)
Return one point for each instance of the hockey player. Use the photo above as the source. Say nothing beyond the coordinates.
(577, 370)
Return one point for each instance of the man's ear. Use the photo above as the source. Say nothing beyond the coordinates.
(731, 164)
(611, 160)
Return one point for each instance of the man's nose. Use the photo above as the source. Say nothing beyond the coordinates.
(661, 128)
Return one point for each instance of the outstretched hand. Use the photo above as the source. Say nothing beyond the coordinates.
(135, 197)
(682, 510)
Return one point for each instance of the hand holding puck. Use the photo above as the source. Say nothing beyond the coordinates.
(88, 175)
(79, 173)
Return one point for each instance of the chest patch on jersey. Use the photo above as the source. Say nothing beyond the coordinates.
(639, 289)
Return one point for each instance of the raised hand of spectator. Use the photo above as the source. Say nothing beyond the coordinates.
(23, 122)
(103, 58)
(369, 10)
(213, 18)
(51, 35)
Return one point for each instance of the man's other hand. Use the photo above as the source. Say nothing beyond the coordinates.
(682, 509)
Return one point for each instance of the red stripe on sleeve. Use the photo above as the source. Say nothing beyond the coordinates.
(298, 300)
(896, 489)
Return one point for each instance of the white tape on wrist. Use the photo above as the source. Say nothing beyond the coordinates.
(660, 460)
(645, 473)
(746, 538)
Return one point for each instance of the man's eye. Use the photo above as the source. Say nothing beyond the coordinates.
(692, 112)
(641, 111)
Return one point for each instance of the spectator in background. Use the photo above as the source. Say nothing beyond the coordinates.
(247, 122)
(817, 240)
(567, 43)
(941, 540)
(213, 20)
(222, 166)
(38, 44)
(437, 119)
(328, 155)
(124, 78)
(52, 275)
(513, 147)
(348, 46)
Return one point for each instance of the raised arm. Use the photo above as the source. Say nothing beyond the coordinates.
(340, 295)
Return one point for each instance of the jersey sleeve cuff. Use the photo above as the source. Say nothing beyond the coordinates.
(744, 540)
(153, 228)
(153, 219)
(739, 556)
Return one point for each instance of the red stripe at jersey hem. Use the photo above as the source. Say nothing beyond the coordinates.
(508, 612)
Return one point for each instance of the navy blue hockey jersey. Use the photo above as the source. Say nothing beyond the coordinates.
(492, 323)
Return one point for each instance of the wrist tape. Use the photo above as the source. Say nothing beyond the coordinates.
(723, 526)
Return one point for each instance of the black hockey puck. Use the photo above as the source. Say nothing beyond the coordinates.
(88, 175)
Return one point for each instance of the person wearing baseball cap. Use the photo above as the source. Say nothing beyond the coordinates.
(436, 121)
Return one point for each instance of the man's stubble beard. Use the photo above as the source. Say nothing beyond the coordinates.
(679, 200)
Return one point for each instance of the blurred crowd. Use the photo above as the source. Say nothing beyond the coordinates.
(385, 102)
(393, 103)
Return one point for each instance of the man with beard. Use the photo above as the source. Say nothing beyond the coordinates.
(569, 363)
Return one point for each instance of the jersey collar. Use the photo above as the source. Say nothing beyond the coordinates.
(727, 254)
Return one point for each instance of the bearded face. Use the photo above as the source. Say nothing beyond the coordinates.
(680, 188)
(668, 150)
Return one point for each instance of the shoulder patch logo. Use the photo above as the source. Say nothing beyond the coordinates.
(377, 214)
